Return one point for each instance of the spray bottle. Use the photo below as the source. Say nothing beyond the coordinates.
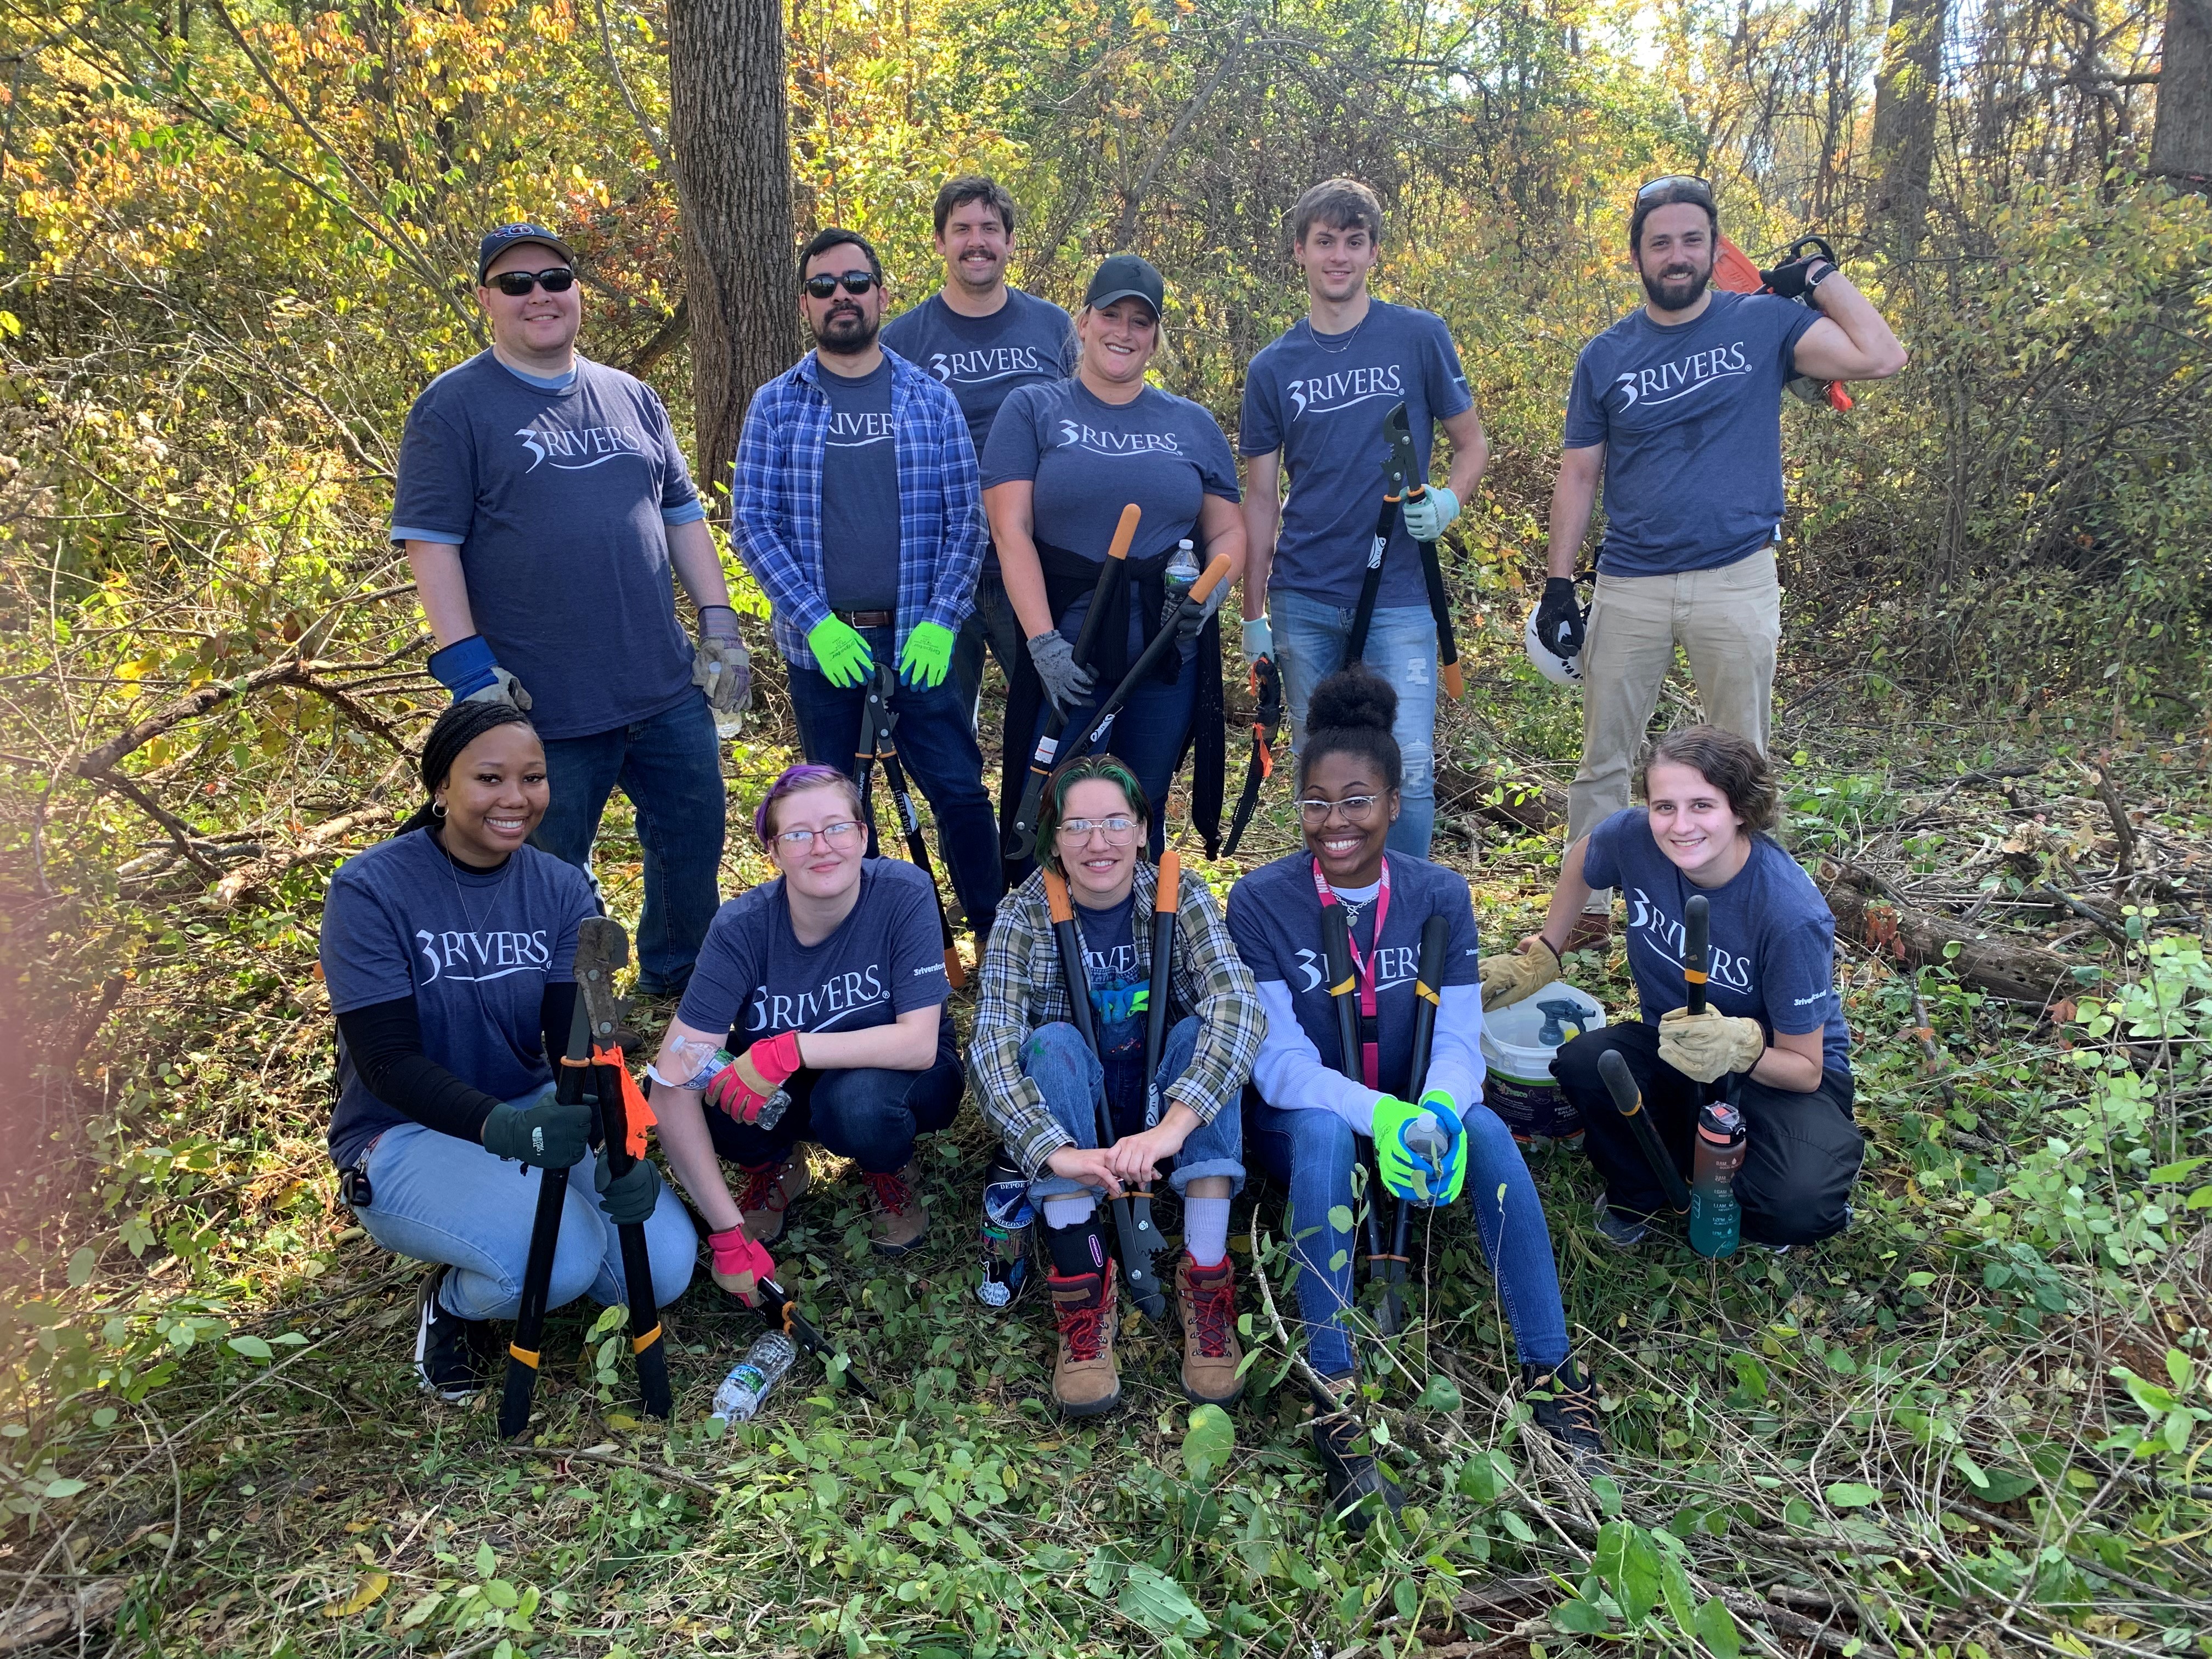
(1715, 1220)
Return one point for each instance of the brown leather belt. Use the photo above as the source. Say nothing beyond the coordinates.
(868, 618)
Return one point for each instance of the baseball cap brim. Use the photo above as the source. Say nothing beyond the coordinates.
(1126, 294)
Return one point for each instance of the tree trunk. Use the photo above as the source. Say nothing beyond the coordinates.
(1905, 106)
(727, 125)
(2181, 142)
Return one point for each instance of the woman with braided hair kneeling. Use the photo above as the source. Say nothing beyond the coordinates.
(450, 955)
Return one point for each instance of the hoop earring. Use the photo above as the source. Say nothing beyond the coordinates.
(437, 808)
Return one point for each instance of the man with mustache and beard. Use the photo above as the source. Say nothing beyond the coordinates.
(1677, 409)
(859, 513)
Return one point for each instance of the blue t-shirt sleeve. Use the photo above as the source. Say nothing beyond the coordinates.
(1448, 391)
(915, 952)
(1797, 975)
(1461, 966)
(1260, 425)
(1601, 857)
(1071, 349)
(435, 499)
(1015, 446)
(1216, 467)
(725, 973)
(1586, 423)
(676, 493)
(365, 958)
(1249, 932)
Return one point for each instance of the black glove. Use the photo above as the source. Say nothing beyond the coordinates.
(628, 1197)
(1799, 277)
(1560, 617)
(552, 1136)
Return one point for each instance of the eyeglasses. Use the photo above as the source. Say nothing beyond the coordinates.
(1357, 809)
(516, 283)
(1690, 179)
(853, 281)
(842, 837)
(1120, 830)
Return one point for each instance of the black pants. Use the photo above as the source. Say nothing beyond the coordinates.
(1801, 1151)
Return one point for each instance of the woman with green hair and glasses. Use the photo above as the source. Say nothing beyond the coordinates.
(1040, 1084)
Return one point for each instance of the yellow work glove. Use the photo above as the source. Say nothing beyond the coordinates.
(1509, 978)
(1703, 1046)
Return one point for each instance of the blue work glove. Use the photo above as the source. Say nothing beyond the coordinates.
(1259, 638)
(1428, 518)
(466, 668)
(1414, 1168)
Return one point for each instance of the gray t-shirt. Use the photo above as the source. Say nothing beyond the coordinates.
(982, 360)
(558, 500)
(756, 980)
(475, 949)
(1322, 399)
(859, 494)
(1690, 415)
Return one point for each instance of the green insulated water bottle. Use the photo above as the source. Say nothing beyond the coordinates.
(1715, 1223)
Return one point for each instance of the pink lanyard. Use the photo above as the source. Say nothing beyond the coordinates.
(1370, 1057)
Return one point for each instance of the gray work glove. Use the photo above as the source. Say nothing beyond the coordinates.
(721, 666)
(1065, 681)
(629, 1198)
(550, 1135)
(1195, 616)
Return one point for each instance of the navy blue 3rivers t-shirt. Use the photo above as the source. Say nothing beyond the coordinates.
(558, 500)
(981, 361)
(859, 493)
(1690, 417)
(1773, 936)
(475, 950)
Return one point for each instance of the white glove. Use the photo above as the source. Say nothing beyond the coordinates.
(1428, 518)
(1259, 638)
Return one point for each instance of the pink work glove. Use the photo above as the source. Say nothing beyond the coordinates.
(744, 1085)
(740, 1264)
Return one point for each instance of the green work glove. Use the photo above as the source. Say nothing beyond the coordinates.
(549, 1135)
(1414, 1168)
(841, 651)
(927, 655)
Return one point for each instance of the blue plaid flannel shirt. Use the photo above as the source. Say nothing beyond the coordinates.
(942, 531)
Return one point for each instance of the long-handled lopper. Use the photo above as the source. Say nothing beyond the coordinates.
(1428, 986)
(585, 1076)
(1406, 470)
(1344, 995)
(876, 747)
(1267, 721)
(1021, 836)
(1629, 1101)
(1165, 896)
(1133, 1211)
(1190, 603)
(781, 1309)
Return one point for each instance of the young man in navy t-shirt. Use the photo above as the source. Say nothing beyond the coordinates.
(1677, 409)
(542, 501)
(1316, 403)
(982, 339)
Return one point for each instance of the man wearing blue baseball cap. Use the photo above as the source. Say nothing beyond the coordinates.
(542, 501)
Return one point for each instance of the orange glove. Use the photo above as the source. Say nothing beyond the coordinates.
(740, 1264)
(744, 1086)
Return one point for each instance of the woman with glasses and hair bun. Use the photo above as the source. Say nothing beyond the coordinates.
(1305, 1117)
(821, 993)
(1040, 1083)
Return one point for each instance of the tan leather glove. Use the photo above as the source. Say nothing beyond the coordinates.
(1703, 1046)
(1508, 978)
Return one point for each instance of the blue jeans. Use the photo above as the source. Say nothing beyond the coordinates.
(670, 768)
(1147, 735)
(1068, 1075)
(1311, 1153)
(440, 1199)
(867, 1113)
(1311, 638)
(991, 622)
(937, 749)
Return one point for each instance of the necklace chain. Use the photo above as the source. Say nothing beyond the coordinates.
(1338, 351)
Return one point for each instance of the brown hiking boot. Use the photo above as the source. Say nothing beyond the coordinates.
(1212, 1361)
(1084, 1381)
(770, 1189)
(897, 1223)
(1593, 931)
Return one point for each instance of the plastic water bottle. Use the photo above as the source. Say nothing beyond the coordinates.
(1008, 1218)
(752, 1377)
(1182, 571)
(1715, 1220)
(685, 1055)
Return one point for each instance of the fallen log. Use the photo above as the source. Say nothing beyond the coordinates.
(1491, 793)
(1869, 911)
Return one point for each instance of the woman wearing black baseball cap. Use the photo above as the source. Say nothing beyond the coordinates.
(1062, 462)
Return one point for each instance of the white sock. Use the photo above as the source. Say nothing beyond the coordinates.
(1205, 1230)
(1069, 1212)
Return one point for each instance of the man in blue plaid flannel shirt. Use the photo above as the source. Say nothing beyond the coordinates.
(859, 513)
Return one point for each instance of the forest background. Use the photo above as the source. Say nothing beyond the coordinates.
(238, 246)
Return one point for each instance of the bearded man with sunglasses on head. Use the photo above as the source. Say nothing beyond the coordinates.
(1677, 409)
(860, 512)
(542, 501)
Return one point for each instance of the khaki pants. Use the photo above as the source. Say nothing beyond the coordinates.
(1726, 621)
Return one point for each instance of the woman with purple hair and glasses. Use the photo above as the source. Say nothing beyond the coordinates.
(824, 991)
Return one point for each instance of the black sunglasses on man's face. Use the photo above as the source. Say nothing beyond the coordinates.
(516, 283)
(853, 281)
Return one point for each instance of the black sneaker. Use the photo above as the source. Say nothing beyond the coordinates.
(1352, 1474)
(448, 1350)
(1565, 1402)
(1622, 1232)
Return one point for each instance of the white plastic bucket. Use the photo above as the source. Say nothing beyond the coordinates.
(1520, 1087)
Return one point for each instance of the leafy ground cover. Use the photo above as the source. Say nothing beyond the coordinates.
(1970, 1427)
